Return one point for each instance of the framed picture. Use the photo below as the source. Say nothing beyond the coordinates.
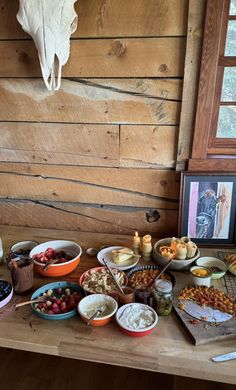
(208, 208)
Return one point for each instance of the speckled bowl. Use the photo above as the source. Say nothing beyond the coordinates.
(176, 265)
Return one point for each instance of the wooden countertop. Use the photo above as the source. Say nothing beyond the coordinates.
(168, 349)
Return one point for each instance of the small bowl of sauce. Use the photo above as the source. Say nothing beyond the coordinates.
(201, 276)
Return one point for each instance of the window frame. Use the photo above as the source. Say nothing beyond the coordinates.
(208, 152)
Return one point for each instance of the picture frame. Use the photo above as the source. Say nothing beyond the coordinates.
(208, 208)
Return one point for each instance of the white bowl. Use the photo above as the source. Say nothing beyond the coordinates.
(175, 264)
(210, 262)
(201, 280)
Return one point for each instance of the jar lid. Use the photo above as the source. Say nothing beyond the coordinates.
(164, 286)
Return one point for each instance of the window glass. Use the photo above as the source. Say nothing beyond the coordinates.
(230, 46)
(227, 122)
(229, 85)
(233, 7)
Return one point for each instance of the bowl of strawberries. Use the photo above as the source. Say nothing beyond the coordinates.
(57, 301)
(56, 258)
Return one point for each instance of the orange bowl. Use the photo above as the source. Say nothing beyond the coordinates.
(88, 306)
(60, 269)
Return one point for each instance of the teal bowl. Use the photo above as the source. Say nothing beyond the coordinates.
(52, 286)
(217, 266)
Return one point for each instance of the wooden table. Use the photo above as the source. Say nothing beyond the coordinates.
(167, 350)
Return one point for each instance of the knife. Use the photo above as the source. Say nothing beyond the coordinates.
(224, 358)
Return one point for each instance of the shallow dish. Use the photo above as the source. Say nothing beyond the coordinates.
(94, 288)
(52, 286)
(149, 267)
(125, 319)
(60, 269)
(88, 306)
(175, 264)
(211, 262)
(107, 254)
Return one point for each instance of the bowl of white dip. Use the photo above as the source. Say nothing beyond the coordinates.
(136, 319)
(89, 305)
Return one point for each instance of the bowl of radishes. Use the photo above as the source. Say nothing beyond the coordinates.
(57, 301)
(56, 258)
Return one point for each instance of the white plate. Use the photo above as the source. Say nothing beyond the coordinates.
(107, 254)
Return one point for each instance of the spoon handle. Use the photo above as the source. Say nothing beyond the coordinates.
(113, 277)
(28, 302)
(93, 316)
(159, 275)
(45, 267)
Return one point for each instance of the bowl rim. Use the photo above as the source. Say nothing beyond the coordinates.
(137, 330)
(97, 295)
(59, 264)
(81, 278)
(198, 276)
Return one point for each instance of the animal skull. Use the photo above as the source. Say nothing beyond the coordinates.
(50, 23)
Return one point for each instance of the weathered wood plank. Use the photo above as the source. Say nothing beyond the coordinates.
(102, 186)
(191, 77)
(73, 144)
(89, 102)
(99, 18)
(53, 215)
(148, 146)
(135, 57)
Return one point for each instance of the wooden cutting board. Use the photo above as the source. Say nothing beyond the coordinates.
(203, 332)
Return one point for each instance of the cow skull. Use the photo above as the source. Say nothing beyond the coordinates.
(50, 23)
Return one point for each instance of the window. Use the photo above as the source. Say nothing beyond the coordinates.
(214, 144)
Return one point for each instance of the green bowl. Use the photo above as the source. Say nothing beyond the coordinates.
(211, 262)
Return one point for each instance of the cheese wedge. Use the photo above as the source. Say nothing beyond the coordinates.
(122, 255)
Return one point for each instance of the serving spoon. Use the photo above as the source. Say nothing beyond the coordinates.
(113, 277)
(97, 312)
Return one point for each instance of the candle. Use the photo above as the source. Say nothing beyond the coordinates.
(136, 243)
(147, 247)
(181, 252)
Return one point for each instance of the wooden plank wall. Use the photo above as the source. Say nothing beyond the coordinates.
(100, 154)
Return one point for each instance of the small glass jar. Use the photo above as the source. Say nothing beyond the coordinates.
(163, 296)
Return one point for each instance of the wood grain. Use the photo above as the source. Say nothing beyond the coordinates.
(191, 77)
(110, 186)
(91, 218)
(213, 165)
(167, 349)
(210, 54)
(148, 146)
(99, 18)
(136, 57)
(67, 144)
(87, 102)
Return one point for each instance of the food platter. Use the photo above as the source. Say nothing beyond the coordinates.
(107, 254)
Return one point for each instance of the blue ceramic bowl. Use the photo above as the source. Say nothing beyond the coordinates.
(148, 267)
(52, 286)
